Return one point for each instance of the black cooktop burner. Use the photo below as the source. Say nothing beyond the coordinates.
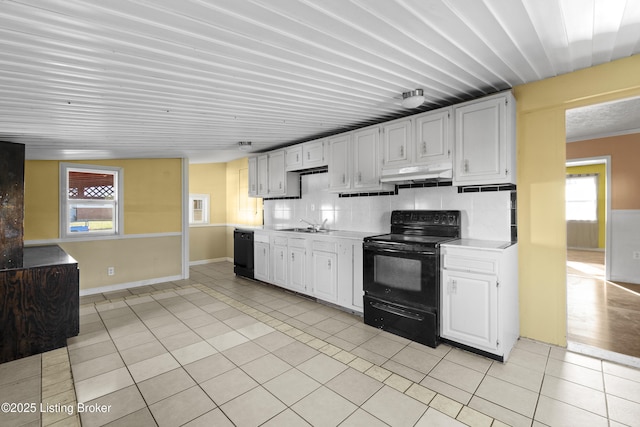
(429, 241)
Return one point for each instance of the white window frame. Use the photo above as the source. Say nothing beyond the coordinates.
(118, 205)
(593, 217)
(205, 208)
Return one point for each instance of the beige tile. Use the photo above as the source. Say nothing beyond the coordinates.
(575, 358)
(286, 418)
(362, 418)
(56, 388)
(193, 352)
(265, 368)
(89, 352)
(264, 407)
(508, 395)
(240, 321)
(164, 385)
(55, 357)
(19, 369)
(378, 373)
(469, 360)
(518, 375)
(228, 385)
(170, 329)
(344, 356)
(446, 406)
(499, 413)
(474, 418)
(404, 371)
(134, 340)
(623, 411)
(141, 417)
(555, 413)
(209, 367)
(397, 382)
(447, 390)
(324, 407)
(459, 376)
(355, 335)
(103, 384)
(118, 404)
(340, 343)
(213, 418)
(354, 386)
(383, 346)
(212, 330)
(369, 356)
(296, 353)
(533, 346)
(244, 353)
(434, 417)
(227, 340)
(255, 330)
(527, 359)
(330, 350)
(180, 340)
(420, 393)
(622, 387)
(416, 359)
(181, 407)
(142, 352)
(72, 421)
(331, 326)
(97, 366)
(360, 364)
(273, 341)
(87, 339)
(574, 373)
(622, 371)
(394, 408)
(322, 368)
(153, 366)
(575, 394)
(291, 386)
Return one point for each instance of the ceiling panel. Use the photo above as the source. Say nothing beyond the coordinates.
(90, 79)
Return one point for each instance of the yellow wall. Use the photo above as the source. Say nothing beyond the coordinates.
(541, 157)
(601, 170)
(152, 205)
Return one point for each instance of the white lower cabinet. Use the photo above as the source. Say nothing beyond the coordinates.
(350, 290)
(297, 265)
(324, 273)
(479, 296)
(280, 257)
(261, 256)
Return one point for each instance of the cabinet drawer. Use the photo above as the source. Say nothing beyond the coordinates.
(279, 240)
(296, 242)
(470, 262)
(324, 246)
(261, 237)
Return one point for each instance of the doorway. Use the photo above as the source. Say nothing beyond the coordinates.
(603, 315)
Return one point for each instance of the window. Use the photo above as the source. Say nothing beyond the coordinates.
(198, 209)
(582, 197)
(91, 200)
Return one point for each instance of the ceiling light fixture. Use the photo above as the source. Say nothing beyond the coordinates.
(244, 145)
(412, 99)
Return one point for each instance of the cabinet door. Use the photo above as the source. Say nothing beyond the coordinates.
(293, 158)
(396, 138)
(261, 261)
(325, 275)
(263, 175)
(297, 277)
(277, 186)
(366, 161)
(339, 158)
(481, 143)
(253, 177)
(313, 154)
(280, 265)
(470, 309)
(433, 137)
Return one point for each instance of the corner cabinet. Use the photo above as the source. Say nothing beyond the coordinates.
(485, 141)
(479, 297)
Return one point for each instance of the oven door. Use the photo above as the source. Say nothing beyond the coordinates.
(407, 277)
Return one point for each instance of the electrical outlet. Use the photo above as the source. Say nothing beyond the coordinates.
(636, 254)
(111, 271)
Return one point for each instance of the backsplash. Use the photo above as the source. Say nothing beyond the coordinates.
(485, 215)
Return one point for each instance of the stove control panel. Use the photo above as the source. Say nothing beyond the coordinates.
(425, 218)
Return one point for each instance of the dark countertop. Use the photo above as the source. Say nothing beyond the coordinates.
(40, 256)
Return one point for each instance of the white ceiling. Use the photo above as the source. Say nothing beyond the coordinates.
(89, 79)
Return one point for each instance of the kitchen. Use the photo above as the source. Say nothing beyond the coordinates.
(155, 245)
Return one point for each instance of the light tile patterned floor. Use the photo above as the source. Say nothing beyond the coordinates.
(221, 351)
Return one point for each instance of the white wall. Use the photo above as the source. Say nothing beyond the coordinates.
(625, 239)
(484, 215)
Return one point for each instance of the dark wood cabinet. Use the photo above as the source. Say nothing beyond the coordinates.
(39, 303)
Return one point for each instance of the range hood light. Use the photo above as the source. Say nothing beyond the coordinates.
(413, 99)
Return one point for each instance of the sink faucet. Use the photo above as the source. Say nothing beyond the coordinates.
(314, 226)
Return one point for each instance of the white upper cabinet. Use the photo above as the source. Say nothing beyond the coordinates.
(263, 175)
(485, 141)
(433, 137)
(293, 157)
(314, 154)
(253, 177)
(396, 143)
(339, 161)
(281, 182)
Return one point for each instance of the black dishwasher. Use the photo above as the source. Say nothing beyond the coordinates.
(243, 253)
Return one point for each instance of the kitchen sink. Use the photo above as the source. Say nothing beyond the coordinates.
(304, 230)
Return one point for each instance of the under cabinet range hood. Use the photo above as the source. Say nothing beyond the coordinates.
(421, 173)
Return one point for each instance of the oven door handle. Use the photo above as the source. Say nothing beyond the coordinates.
(378, 249)
(397, 311)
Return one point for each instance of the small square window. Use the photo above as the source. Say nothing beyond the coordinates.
(198, 209)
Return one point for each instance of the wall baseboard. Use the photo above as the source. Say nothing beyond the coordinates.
(121, 286)
(210, 261)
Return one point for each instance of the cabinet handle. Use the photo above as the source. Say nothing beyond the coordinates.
(280, 185)
(424, 147)
(359, 177)
(308, 155)
(454, 287)
(281, 255)
(343, 178)
(401, 151)
(466, 165)
(292, 256)
(297, 157)
(264, 251)
(448, 153)
(329, 264)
